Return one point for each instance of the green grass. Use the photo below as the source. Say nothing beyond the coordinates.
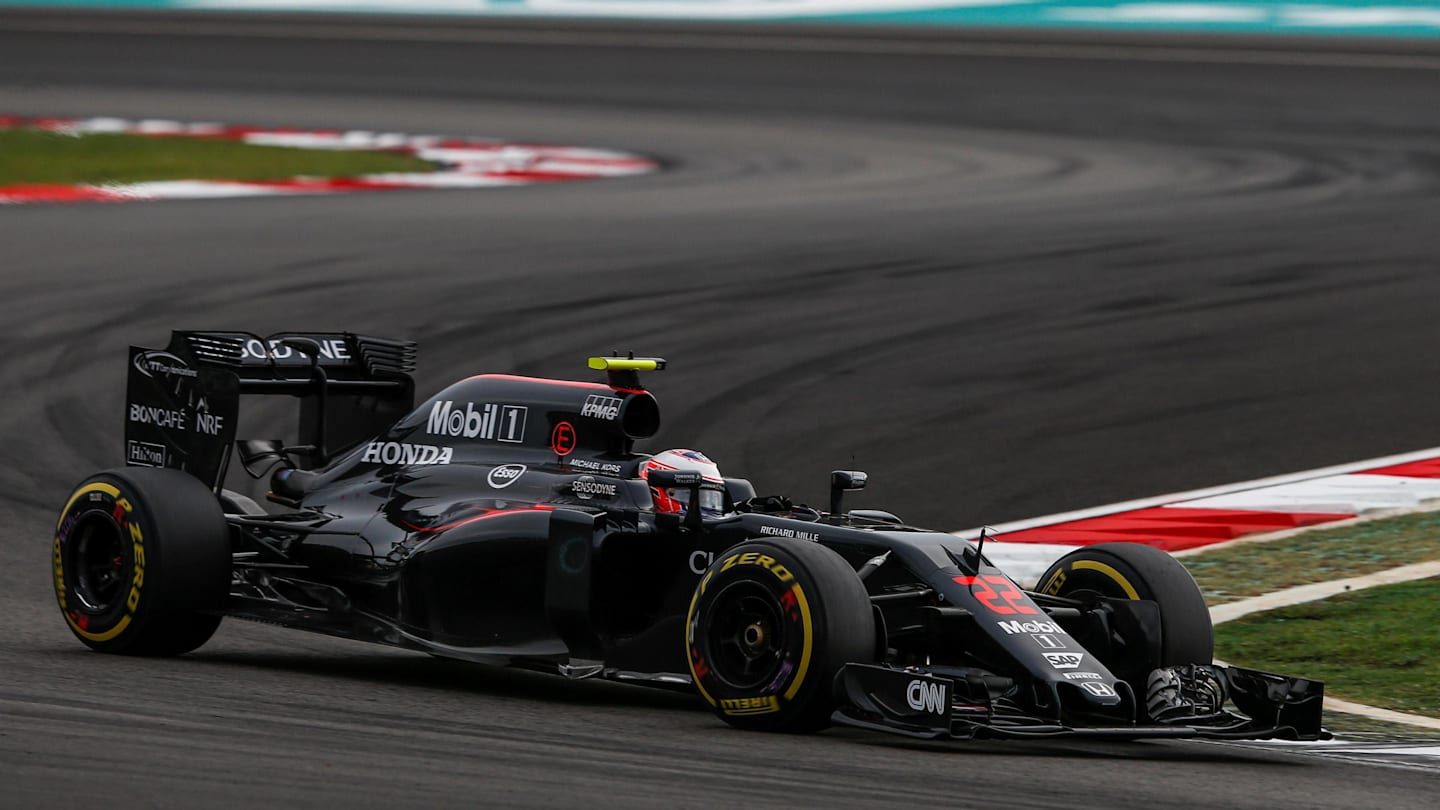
(1379, 646)
(37, 157)
(1251, 569)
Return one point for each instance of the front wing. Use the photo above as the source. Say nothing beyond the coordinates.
(923, 703)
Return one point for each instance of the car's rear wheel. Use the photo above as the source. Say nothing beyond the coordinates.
(141, 562)
(769, 626)
(1135, 571)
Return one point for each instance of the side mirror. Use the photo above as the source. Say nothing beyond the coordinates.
(842, 481)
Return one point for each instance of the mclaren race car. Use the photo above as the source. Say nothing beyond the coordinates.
(504, 521)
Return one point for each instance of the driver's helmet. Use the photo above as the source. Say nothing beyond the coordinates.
(676, 499)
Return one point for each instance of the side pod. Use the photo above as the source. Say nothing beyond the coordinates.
(569, 569)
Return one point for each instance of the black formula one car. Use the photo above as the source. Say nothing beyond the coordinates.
(503, 521)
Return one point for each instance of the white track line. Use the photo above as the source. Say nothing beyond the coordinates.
(1377, 713)
(1301, 594)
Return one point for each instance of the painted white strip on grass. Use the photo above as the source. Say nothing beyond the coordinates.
(1325, 590)
(1388, 715)
(1301, 594)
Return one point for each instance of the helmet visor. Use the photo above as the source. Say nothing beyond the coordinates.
(712, 501)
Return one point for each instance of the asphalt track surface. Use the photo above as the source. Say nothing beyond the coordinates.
(1006, 275)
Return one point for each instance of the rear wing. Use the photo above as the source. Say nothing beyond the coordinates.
(182, 403)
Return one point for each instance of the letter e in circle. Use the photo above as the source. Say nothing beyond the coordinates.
(562, 439)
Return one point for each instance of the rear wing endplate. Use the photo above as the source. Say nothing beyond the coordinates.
(183, 402)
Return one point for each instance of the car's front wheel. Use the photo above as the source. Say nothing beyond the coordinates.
(1135, 571)
(769, 626)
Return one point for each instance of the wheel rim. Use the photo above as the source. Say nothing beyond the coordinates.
(746, 636)
(98, 563)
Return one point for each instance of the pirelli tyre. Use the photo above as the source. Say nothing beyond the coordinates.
(1135, 571)
(142, 562)
(770, 624)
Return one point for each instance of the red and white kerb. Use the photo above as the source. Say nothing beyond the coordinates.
(1204, 518)
(463, 162)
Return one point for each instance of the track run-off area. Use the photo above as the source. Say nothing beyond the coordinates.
(1007, 274)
